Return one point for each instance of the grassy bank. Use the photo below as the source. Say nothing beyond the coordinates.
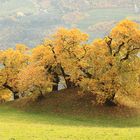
(22, 125)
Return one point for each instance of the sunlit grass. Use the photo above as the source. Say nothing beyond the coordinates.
(19, 125)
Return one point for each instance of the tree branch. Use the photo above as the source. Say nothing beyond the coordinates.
(109, 44)
(128, 53)
(119, 48)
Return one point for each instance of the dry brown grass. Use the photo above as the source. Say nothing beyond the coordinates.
(70, 102)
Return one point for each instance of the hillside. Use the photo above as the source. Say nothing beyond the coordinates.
(69, 101)
(23, 125)
(29, 21)
(66, 115)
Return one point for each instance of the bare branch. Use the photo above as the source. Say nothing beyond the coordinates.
(119, 48)
(109, 44)
(128, 53)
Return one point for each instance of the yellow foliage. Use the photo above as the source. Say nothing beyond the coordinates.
(33, 77)
(5, 95)
(104, 67)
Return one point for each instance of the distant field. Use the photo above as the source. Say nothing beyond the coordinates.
(35, 25)
(100, 15)
(7, 8)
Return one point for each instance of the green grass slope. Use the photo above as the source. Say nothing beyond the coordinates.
(21, 125)
(67, 116)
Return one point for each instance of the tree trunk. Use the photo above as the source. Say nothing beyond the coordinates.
(56, 82)
(70, 84)
(110, 101)
(40, 95)
(15, 93)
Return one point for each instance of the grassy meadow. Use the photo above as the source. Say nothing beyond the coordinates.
(35, 125)
(69, 118)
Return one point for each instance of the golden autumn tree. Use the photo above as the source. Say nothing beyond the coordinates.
(12, 61)
(61, 50)
(43, 56)
(103, 67)
(113, 63)
(34, 79)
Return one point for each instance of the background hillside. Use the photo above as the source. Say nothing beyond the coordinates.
(29, 21)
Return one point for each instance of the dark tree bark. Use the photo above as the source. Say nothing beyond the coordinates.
(40, 95)
(15, 93)
(56, 82)
(110, 101)
(70, 84)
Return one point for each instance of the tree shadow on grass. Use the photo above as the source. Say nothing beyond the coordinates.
(51, 118)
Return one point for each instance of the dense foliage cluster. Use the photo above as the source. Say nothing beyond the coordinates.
(103, 68)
